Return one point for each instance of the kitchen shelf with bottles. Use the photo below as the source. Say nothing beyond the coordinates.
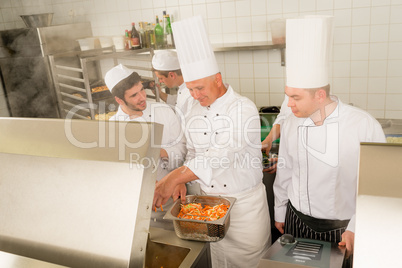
(79, 85)
(251, 46)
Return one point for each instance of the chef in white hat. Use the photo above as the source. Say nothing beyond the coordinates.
(129, 93)
(315, 188)
(224, 150)
(166, 67)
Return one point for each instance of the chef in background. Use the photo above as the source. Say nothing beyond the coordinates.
(166, 67)
(129, 93)
(315, 189)
(275, 133)
(224, 150)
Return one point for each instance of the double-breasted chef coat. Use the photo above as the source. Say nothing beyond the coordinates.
(224, 152)
(320, 163)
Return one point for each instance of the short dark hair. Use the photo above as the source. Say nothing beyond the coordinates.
(120, 88)
(325, 88)
(166, 73)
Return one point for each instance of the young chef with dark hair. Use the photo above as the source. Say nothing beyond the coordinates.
(315, 189)
(129, 93)
(166, 67)
(224, 151)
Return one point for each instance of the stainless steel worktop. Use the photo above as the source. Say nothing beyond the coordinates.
(198, 251)
(391, 126)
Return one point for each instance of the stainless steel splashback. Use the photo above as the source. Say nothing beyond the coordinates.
(25, 70)
(75, 192)
(31, 42)
(60, 38)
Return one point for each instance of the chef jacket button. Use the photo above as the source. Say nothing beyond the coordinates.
(224, 185)
(149, 115)
(205, 133)
(217, 114)
(205, 116)
(212, 186)
(216, 132)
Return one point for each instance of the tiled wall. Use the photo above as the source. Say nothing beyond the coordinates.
(367, 57)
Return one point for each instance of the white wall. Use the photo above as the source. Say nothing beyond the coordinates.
(367, 56)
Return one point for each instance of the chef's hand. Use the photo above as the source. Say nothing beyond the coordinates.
(348, 241)
(280, 226)
(166, 186)
(270, 138)
(272, 169)
(163, 191)
(180, 191)
(266, 145)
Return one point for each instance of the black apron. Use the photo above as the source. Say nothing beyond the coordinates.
(304, 226)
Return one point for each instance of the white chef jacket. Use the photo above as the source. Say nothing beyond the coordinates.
(224, 152)
(172, 138)
(320, 163)
(219, 139)
(181, 101)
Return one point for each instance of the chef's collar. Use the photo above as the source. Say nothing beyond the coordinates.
(331, 109)
(123, 116)
(182, 86)
(222, 99)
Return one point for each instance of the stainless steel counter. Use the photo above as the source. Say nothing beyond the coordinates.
(391, 126)
(198, 255)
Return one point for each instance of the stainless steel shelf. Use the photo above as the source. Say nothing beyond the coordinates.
(251, 46)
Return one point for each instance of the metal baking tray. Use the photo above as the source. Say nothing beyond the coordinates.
(208, 231)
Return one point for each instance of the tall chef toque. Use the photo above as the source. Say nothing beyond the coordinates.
(196, 57)
(116, 74)
(165, 60)
(308, 50)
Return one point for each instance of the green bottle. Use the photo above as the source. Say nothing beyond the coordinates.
(158, 34)
(170, 40)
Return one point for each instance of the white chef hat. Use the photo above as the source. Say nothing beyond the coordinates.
(196, 57)
(165, 60)
(308, 49)
(116, 74)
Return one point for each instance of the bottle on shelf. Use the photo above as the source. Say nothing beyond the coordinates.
(151, 34)
(164, 29)
(135, 37)
(144, 39)
(127, 41)
(169, 35)
(158, 35)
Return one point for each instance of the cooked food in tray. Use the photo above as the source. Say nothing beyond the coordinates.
(98, 89)
(195, 211)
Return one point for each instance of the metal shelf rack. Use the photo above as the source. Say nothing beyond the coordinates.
(76, 73)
